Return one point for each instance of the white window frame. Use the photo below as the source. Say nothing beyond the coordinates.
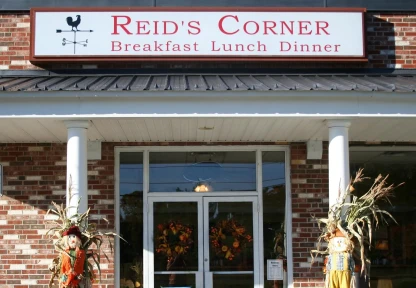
(258, 149)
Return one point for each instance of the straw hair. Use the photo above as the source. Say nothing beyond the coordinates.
(355, 220)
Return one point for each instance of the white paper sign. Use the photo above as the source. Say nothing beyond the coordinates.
(107, 34)
(274, 269)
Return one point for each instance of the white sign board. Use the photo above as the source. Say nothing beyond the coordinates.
(108, 34)
(274, 269)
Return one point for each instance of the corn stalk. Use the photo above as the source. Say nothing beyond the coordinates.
(91, 238)
(357, 218)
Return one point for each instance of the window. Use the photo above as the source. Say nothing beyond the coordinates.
(131, 219)
(202, 171)
(274, 203)
(393, 253)
(165, 181)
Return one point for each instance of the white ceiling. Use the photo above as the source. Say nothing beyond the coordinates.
(225, 129)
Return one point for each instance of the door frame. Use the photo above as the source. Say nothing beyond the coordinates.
(256, 236)
(203, 201)
(257, 148)
(198, 274)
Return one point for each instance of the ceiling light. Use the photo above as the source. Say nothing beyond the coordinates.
(394, 153)
(205, 128)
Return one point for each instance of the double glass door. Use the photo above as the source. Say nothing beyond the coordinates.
(204, 242)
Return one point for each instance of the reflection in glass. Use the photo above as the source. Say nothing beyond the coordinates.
(181, 280)
(231, 236)
(175, 236)
(131, 219)
(202, 171)
(233, 281)
(393, 255)
(274, 199)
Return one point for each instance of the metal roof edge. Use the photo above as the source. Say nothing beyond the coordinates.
(196, 71)
(335, 94)
(321, 116)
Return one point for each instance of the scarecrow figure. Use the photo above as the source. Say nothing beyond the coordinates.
(340, 262)
(348, 230)
(73, 260)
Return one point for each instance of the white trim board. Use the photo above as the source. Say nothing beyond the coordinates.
(321, 104)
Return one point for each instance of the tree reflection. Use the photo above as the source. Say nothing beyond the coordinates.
(131, 227)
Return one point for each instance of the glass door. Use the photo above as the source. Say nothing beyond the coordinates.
(203, 242)
(176, 245)
(231, 242)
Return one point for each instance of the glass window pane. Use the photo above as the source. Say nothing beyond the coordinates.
(131, 172)
(175, 280)
(175, 236)
(274, 199)
(202, 171)
(233, 281)
(131, 219)
(393, 255)
(231, 236)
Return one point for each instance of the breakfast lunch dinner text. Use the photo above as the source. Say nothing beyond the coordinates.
(126, 25)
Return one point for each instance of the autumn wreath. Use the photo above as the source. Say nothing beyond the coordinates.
(173, 240)
(229, 239)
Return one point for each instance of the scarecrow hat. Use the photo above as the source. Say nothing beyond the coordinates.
(338, 233)
(74, 230)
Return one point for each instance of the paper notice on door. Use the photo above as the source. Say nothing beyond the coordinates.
(274, 269)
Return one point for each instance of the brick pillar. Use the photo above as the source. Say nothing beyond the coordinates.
(309, 184)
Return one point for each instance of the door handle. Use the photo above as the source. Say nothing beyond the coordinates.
(206, 259)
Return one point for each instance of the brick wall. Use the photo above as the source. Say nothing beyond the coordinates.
(391, 40)
(391, 43)
(309, 180)
(15, 41)
(34, 175)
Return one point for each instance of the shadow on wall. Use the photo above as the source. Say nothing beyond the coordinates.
(382, 31)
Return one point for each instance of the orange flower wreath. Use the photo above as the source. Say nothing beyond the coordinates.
(173, 239)
(228, 239)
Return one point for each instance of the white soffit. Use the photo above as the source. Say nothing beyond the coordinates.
(206, 129)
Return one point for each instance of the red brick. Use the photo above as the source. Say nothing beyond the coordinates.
(404, 24)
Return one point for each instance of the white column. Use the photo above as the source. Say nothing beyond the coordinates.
(76, 171)
(338, 159)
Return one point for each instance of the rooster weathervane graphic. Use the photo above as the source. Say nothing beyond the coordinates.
(74, 29)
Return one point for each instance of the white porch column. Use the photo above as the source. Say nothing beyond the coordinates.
(76, 171)
(338, 158)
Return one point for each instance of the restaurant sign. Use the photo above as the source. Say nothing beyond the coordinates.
(197, 34)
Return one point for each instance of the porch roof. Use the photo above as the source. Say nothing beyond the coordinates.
(207, 107)
(210, 82)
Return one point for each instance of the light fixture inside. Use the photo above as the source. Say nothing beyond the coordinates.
(382, 245)
(201, 188)
(205, 128)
